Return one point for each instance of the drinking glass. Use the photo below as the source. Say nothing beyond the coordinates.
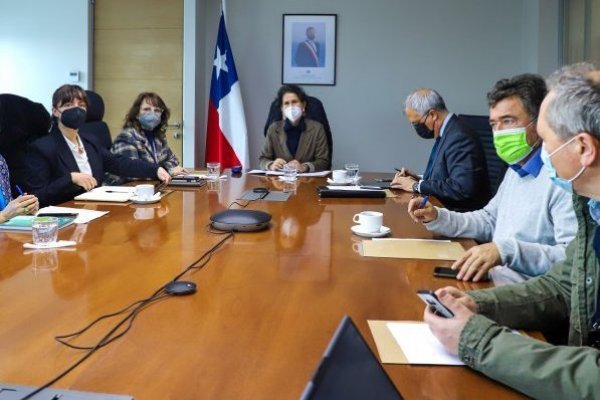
(352, 171)
(44, 230)
(290, 174)
(213, 170)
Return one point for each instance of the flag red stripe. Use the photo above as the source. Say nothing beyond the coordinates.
(218, 148)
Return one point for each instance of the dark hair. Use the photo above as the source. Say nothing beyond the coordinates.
(530, 88)
(67, 93)
(297, 90)
(131, 120)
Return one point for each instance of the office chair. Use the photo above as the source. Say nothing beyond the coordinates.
(94, 129)
(496, 167)
(314, 111)
(21, 122)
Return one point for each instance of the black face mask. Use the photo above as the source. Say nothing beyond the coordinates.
(422, 129)
(73, 117)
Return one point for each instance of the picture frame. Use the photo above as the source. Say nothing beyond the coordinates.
(309, 49)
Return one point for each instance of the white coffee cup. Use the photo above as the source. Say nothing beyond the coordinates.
(370, 221)
(339, 175)
(144, 192)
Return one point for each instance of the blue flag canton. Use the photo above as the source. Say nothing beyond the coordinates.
(224, 74)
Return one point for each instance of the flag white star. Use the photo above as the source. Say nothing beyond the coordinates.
(220, 62)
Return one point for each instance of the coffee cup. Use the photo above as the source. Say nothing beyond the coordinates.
(144, 192)
(370, 221)
(339, 175)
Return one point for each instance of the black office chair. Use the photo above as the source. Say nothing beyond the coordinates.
(21, 122)
(496, 167)
(94, 129)
(314, 110)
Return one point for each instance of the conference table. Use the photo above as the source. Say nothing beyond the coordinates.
(266, 306)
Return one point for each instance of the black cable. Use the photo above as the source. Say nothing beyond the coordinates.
(265, 194)
(141, 304)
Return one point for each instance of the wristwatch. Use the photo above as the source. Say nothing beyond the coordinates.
(415, 187)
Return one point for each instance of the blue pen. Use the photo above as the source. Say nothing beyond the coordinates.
(19, 190)
(424, 201)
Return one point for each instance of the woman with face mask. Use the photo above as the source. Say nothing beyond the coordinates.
(62, 164)
(299, 142)
(143, 137)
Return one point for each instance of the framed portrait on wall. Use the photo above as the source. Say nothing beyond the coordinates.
(309, 49)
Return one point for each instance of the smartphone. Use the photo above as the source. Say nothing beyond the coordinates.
(260, 190)
(445, 272)
(432, 301)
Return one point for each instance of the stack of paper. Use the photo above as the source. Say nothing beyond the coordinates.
(279, 173)
(406, 342)
(424, 249)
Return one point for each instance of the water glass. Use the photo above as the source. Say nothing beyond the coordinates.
(290, 174)
(213, 171)
(352, 171)
(44, 230)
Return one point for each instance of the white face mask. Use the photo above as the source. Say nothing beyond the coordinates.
(292, 113)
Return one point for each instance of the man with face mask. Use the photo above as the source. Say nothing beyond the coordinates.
(529, 222)
(568, 295)
(456, 172)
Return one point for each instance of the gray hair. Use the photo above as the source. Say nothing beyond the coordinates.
(423, 100)
(575, 103)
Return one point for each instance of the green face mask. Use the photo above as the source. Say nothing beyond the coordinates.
(511, 144)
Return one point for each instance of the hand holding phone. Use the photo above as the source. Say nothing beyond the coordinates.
(435, 304)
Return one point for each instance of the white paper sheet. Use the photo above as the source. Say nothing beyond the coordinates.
(114, 189)
(419, 345)
(279, 173)
(83, 216)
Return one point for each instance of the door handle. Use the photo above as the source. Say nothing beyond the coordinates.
(176, 125)
(176, 135)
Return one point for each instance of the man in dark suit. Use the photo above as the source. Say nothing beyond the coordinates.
(307, 53)
(456, 172)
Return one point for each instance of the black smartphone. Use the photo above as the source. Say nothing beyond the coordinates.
(445, 272)
(260, 190)
(432, 301)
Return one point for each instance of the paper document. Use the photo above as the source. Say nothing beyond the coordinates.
(280, 173)
(354, 188)
(98, 194)
(419, 345)
(83, 216)
(115, 189)
(423, 249)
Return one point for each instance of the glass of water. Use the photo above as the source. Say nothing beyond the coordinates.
(290, 174)
(213, 170)
(44, 230)
(352, 171)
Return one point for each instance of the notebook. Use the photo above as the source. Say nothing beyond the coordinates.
(349, 191)
(349, 370)
(24, 223)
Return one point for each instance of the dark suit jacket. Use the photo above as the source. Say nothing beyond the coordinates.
(50, 163)
(459, 174)
(305, 56)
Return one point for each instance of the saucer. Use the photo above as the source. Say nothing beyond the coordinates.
(153, 199)
(357, 229)
(348, 181)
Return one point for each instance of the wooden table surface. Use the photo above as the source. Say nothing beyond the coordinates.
(266, 307)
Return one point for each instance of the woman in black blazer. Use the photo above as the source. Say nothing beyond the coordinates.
(63, 164)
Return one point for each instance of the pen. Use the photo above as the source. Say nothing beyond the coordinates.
(19, 190)
(56, 397)
(399, 169)
(424, 201)
(57, 215)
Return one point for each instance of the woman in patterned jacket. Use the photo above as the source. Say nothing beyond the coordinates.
(143, 136)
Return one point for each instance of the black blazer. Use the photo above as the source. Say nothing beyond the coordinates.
(50, 163)
(459, 174)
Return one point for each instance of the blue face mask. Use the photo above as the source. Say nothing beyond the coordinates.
(565, 184)
(594, 206)
(149, 121)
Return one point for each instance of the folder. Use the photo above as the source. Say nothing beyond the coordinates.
(423, 249)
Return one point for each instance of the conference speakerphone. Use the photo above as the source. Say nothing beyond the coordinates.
(240, 220)
(16, 392)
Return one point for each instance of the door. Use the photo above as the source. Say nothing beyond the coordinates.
(138, 47)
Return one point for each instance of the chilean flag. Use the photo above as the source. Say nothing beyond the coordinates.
(226, 134)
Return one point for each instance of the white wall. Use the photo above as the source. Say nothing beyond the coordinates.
(386, 48)
(40, 43)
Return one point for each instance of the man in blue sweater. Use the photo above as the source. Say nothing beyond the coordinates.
(529, 222)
